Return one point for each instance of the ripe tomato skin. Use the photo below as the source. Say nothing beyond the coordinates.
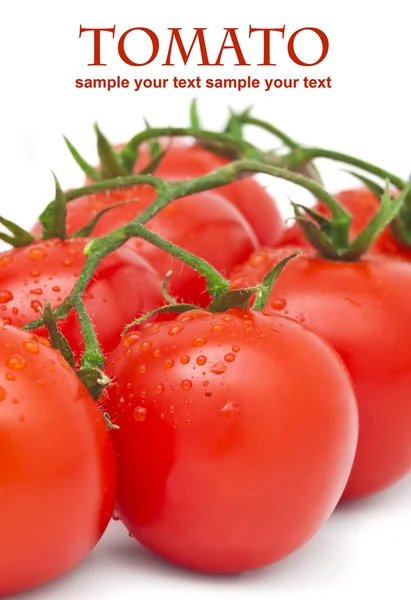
(363, 309)
(362, 205)
(205, 224)
(227, 460)
(124, 287)
(184, 161)
(57, 469)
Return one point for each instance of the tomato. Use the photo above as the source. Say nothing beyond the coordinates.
(184, 161)
(205, 224)
(57, 468)
(124, 287)
(237, 432)
(362, 205)
(363, 309)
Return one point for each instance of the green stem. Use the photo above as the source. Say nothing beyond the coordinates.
(289, 142)
(302, 155)
(216, 283)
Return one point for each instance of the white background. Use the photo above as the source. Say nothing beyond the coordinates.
(364, 549)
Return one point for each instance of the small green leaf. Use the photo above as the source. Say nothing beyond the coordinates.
(233, 298)
(156, 159)
(94, 380)
(57, 339)
(53, 218)
(266, 286)
(374, 187)
(235, 126)
(87, 169)
(20, 237)
(87, 230)
(195, 122)
(173, 308)
(110, 164)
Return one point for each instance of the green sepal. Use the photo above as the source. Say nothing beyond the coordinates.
(87, 230)
(195, 122)
(20, 237)
(53, 218)
(371, 185)
(57, 339)
(233, 298)
(88, 170)
(173, 308)
(265, 288)
(94, 380)
(110, 164)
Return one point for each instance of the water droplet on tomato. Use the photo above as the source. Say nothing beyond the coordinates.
(156, 353)
(3, 393)
(218, 327)
(172, 410)
(190, 403)
(145, 346)
(31, 346)
(201, 360)
(15, 310)
(5, 296)
(130, 535)
(278, 304)
(10, 377)
(116, 517)
(185, 359)
(68, 262)
(36, 305)
(168, 363)
(230, 357)
(230, 409)
(186, 385)
(142, 368)
(236, 348)
(175, 329)
(219, 368)
(257, 258)
(130, 338)
(188, 422)
(140, 414)
(37, 253)
(56, 288)
(199, 340)
(5, 260)
(208, 393)
(16, 362)
(159, 389)
(36, 291)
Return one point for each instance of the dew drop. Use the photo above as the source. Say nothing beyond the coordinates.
(190, 403)
(2, 393)
(140, 414)
(208, 393)
(5, 296)
(236, 348)
(219, 368)
(155, 328)
(68, 262)
(172, 410)
(142, 368)
(145, 346)
(130, 338)
(10, 377)
(156, 352)
(31, 346)
(16, 362)
(227, 318)
(36, 253)
(199, 340)
(36, 291)
(36, 305)
(230, 357)
(143, 394)
(5, 260)
(188, 422)
(159, 389)
(185, 359)
(116, 517)
(130, 535)
(257, 258)
(201, 360)
(175, 329)
(217, 328)
(278, 304)
(15, 310)
(186, 385)
(230, 410)
(56, 288)
(169, 363)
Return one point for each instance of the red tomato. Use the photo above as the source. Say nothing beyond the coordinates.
(205, 224)
(184, 161)
(227, 461)
(57, 473)
(124, 287)
(362, 205)
(363, 309)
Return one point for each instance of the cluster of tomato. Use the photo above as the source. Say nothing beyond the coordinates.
(235, 433)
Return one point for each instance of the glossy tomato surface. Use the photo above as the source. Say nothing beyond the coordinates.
(363, 309)
(205, 224)
(183, 161)
(237, 433)
(123, 287)
(362, 205)
(57, 465)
